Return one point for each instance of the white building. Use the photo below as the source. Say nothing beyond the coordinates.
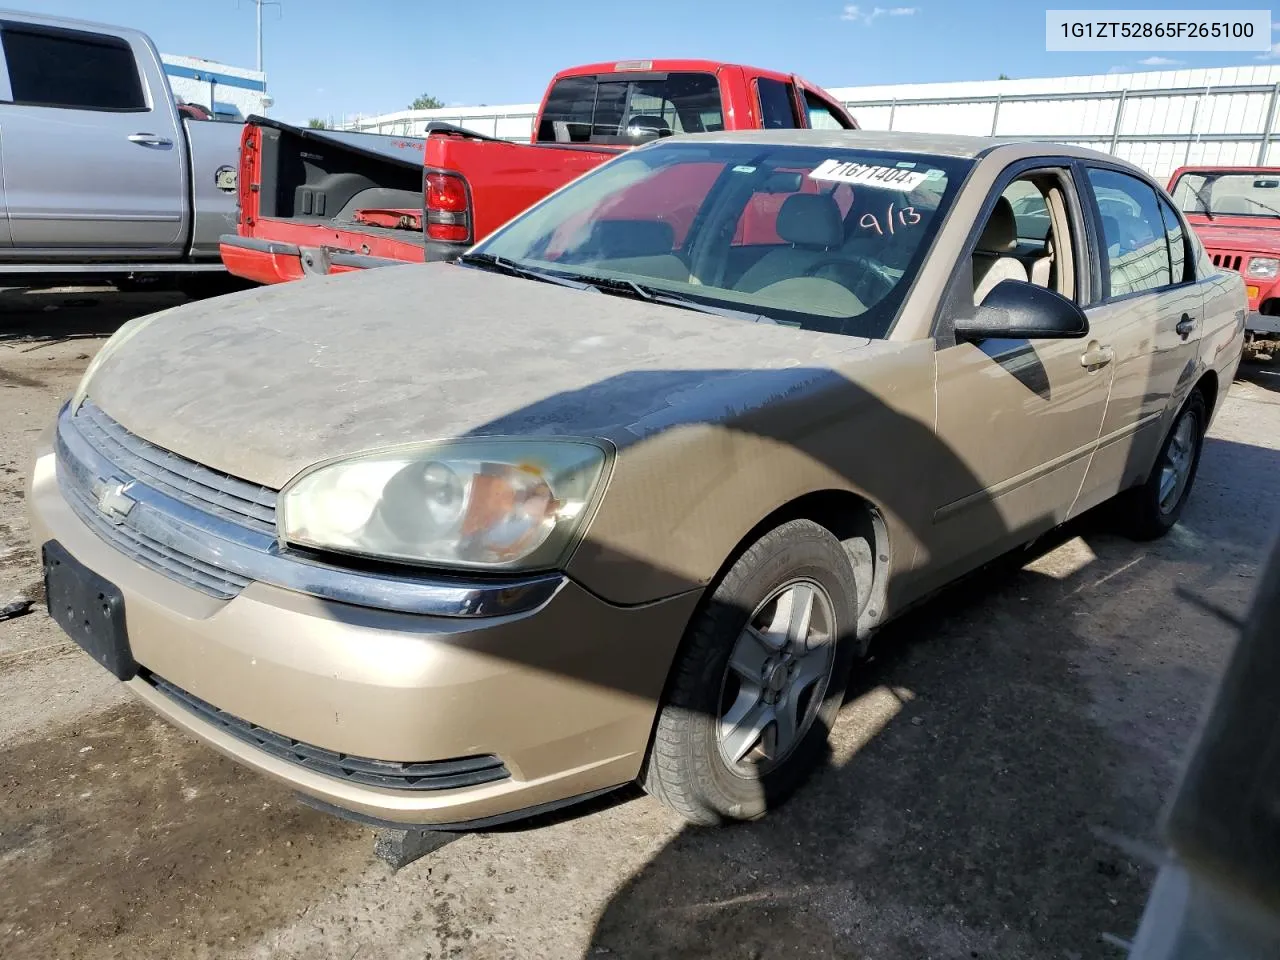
(1157, 119)
(233, 92)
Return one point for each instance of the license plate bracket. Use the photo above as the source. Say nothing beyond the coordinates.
(89, 608)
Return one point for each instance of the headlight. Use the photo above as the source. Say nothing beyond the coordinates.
(1264, 268)
(114, 343)
(461, 503)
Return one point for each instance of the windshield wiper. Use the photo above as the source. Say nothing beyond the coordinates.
(511, 268)
(1204, 201)
(1258, 203)
(668, 298)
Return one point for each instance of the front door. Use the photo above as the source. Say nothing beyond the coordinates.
(91, 157)
(1023, 415)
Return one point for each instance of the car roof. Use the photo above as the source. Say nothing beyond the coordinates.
(937, 144)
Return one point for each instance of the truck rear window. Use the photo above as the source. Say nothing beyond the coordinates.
(630, 109)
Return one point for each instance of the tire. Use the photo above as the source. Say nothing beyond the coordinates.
(1143, 512)
(689, 767)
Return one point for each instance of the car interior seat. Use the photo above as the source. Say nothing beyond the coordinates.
(992, 260)
(810, 227)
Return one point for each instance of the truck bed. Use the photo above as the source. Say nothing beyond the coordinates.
(300, 190)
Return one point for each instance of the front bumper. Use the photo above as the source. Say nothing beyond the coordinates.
(564, 696)
(1261, 324)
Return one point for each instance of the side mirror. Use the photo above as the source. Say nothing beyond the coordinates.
(1016, 310)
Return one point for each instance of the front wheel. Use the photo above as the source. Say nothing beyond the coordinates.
(1150, 511)
(759, 679)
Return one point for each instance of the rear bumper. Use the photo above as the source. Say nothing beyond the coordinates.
(274, 261)
(271, 261)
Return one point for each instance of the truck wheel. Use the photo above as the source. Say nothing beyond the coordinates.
(758, 681)
(1150, 511)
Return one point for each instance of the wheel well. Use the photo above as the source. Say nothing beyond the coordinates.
(1208, 385)
(860, 528)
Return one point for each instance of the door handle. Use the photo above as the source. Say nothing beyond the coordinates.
(150, 140)
(1185, 326)
(1097, 357)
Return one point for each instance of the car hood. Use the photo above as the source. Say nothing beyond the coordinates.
(1239, 237)
(265, 383)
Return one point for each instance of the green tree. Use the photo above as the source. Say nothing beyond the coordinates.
(426, 102)
(1004, 76)
(315, 123)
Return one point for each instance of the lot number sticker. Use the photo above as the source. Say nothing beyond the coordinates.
(870, 175)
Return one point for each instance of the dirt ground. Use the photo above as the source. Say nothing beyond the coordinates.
(998, 750)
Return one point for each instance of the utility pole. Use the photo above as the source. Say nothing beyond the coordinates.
(260, 4)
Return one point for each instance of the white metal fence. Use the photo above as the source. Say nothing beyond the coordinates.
(1156, 119)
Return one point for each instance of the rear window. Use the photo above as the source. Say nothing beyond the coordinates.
(630, 109)
(71, 69)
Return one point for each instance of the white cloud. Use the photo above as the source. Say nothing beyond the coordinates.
(1121, 68)
(1160, 62)
(1272, 54)
(1276, 25)
(866, 15)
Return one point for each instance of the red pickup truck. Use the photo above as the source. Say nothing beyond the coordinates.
(1236, 213)
(320, 201)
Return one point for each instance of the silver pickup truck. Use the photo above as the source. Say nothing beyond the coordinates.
(101, 177)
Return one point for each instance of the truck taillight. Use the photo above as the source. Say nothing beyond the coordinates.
(448, 207)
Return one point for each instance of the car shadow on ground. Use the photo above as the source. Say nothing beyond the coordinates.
(70, 313)
(1262, 373)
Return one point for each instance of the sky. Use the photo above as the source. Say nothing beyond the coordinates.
(330, 58)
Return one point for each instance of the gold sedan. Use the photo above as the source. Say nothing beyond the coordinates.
(623, 494)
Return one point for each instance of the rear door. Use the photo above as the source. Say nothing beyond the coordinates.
(1149, 318)
(92, 154)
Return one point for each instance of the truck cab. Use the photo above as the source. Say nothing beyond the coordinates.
(363, 200)
(158, 192)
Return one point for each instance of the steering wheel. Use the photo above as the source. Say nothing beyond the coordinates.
(866, 275)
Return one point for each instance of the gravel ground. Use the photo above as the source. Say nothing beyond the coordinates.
(995, 748)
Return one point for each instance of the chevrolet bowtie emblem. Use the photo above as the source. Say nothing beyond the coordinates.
(114, 502)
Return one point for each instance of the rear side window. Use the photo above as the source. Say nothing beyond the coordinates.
(71, 69)
(821, 116)
(628, 110)
(777, 105)
(1133, 231)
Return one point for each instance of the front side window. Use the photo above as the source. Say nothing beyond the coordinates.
(1133, 233)
(777, 105)
(625, 110)
(71, 69)
(1228, 193)
(823, 239)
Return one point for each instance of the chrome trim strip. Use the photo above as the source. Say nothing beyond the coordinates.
(255, 556)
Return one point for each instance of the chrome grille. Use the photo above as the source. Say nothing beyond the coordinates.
(246, 504)
(94, 452)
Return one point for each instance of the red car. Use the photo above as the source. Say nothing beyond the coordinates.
(320, 202)
(1236, 213)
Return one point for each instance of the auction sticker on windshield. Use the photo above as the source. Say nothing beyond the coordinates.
(869, 175)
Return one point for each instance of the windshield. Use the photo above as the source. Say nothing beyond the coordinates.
(810, 236)
(1230, 193)
(622, 109)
